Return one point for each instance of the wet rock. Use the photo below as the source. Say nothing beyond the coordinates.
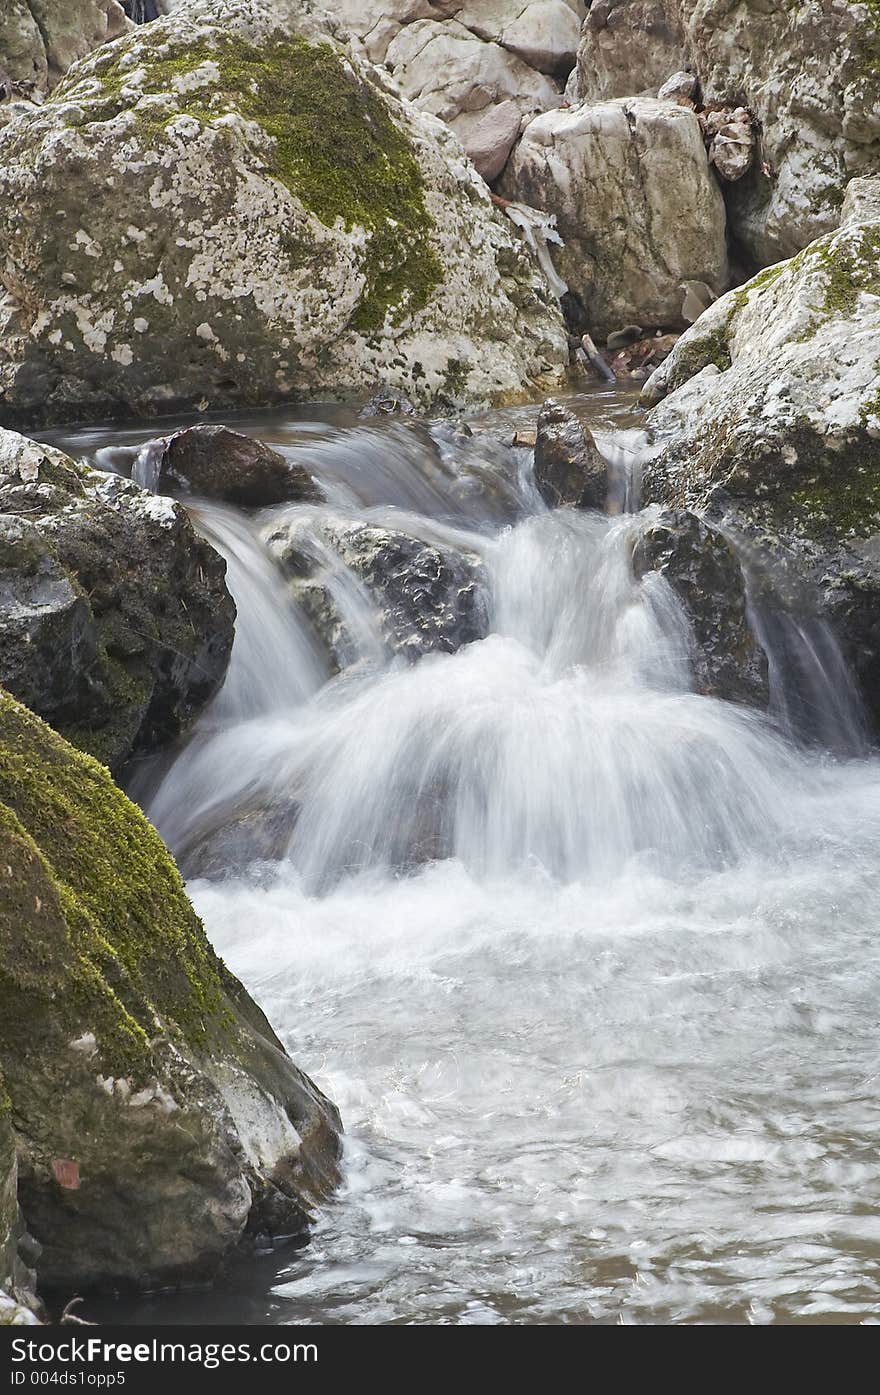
(639, 359)
(681, 87)
(144, 1081)
(808, 74)
(488, 136)
(622, 337)
(387, 402)
(117, 625)
(429, 597)
(769, 418)
(705, 573)
(569, 469)
(637, 206)
(355, 246)
(216, 463)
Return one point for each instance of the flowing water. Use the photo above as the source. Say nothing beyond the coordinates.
(589, 962)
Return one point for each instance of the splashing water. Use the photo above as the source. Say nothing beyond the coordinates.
(586, 959)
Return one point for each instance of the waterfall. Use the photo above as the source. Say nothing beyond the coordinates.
(583, 955)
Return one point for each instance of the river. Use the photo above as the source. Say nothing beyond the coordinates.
(611, 1055)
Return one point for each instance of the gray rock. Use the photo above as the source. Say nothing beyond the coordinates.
(489, 136)
(144, 1082)
(769, 418)
(681, 87)
(217, 463)
(569, 469)
(117, 625)
(733, 146)
(637, 206)
(40, 39)
(861, 203)
(429, 597)
(387, 402)
(357, 246)
(705, 573)
(19, 1305)
(808, 73)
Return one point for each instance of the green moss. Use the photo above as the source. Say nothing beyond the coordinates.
(93, 911)
(333, 145)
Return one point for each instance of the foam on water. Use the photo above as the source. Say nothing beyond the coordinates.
(587, 960)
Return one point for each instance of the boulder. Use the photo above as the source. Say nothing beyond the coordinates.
(569, 468)
(115, 621)
(226, 207)
(41, 39)
(143, 1080)
(424, 596)
(637, 207)
(807, 72)
(704, 571)
(489, 135)
(214, 462)
(769, 419)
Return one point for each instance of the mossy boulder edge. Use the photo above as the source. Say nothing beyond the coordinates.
(158, 1119)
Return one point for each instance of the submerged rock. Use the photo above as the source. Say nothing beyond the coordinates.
(273, 222)
(705, 573)
(115, 624)
(425, 596)
(637, 206)
(144, 1082)
(216, 463)
(769, 417)
(569, 468)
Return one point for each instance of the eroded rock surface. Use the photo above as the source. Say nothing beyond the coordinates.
(227, 207)
(143, 1080)
(638, 209)
(115, 624)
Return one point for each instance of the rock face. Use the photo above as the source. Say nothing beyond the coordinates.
(484, 67)
(808, 72)
(115, 622)
(144, 1082)
(216, 463)
(429, 597)
(569, 468)
(272, 223)
(637, 207)
(705, 573)
(41, 39)
(770, 418)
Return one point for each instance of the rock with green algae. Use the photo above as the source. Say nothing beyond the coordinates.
(226, 207)
(115, 621)
(159, 1121)
(768, 416)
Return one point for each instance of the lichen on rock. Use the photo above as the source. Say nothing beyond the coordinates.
(273, 223)
(142, 1078)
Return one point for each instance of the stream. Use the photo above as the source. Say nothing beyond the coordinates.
(588, 961)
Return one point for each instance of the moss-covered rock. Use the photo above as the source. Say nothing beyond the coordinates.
(115, 621)
(157, 1116)
(769, 414)
(271, 223)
